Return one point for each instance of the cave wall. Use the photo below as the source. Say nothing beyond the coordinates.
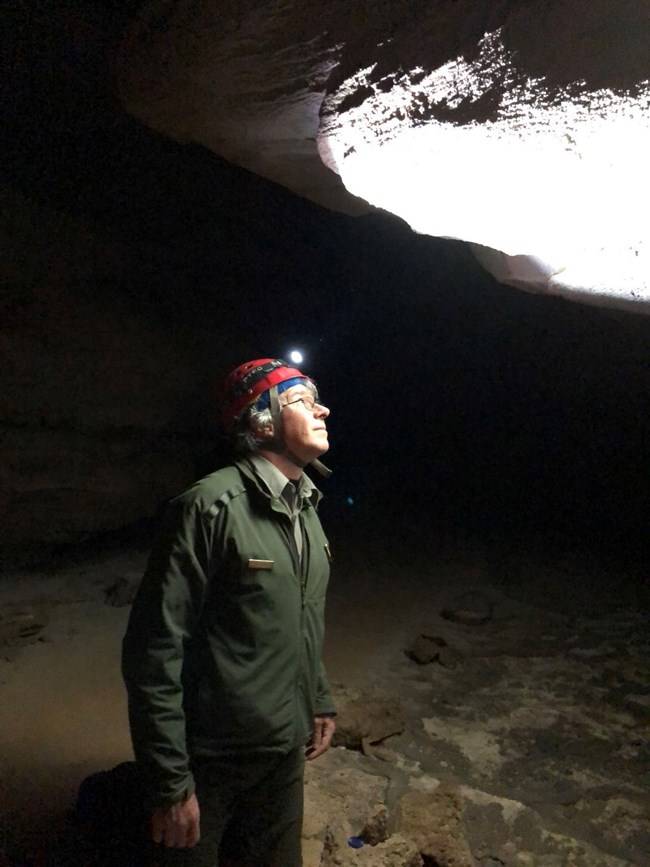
(132, 277)
(453, 398)
(133, 272)
(111, 349)
(136, 269)
(91, 379)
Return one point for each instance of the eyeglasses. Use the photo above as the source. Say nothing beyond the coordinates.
(310, 403)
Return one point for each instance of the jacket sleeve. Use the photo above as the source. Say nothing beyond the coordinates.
(165, 613)
(324, 705)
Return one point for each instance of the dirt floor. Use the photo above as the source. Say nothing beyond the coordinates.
(529, 702)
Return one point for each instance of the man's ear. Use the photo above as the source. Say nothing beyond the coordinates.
(262, 431)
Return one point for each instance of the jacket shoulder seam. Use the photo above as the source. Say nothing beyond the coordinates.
(225, 498)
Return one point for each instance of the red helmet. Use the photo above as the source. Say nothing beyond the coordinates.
(247, 382)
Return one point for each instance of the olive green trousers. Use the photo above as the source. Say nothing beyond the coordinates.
(251, 813)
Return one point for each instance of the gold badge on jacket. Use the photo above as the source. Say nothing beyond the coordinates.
(259, 564)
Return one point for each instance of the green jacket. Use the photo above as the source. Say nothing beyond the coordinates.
(223, 648)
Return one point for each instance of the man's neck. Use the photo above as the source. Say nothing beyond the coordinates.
(283, 463)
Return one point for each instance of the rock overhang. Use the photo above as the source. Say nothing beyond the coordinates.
(521, 128)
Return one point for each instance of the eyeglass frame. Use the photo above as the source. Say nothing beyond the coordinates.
(317, 404)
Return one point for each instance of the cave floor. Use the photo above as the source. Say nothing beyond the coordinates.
(535, 710)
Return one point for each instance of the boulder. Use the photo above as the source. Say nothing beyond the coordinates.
(366, 717)
(433, 821)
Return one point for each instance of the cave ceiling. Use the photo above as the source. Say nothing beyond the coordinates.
(520, 127)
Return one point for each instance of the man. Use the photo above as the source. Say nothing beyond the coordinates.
(222, 655)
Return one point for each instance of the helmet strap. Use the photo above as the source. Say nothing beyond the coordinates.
(274, 407)
(320, 468)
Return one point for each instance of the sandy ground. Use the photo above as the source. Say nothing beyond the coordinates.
(544, 703)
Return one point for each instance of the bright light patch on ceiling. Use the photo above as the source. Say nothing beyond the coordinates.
(560, 182)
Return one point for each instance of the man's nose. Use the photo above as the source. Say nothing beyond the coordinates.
(321, 410)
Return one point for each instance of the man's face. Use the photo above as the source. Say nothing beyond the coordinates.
(303, 428)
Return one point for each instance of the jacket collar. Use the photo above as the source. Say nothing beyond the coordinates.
(268, 479)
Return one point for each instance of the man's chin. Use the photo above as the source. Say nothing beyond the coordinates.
(316, 453)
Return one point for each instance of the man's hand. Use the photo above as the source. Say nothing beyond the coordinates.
(178, 827)
(321, 736)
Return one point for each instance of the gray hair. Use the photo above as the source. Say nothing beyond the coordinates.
(244, 439)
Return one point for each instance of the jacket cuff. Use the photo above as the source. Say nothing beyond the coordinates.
(324, 707)
(164, 800)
